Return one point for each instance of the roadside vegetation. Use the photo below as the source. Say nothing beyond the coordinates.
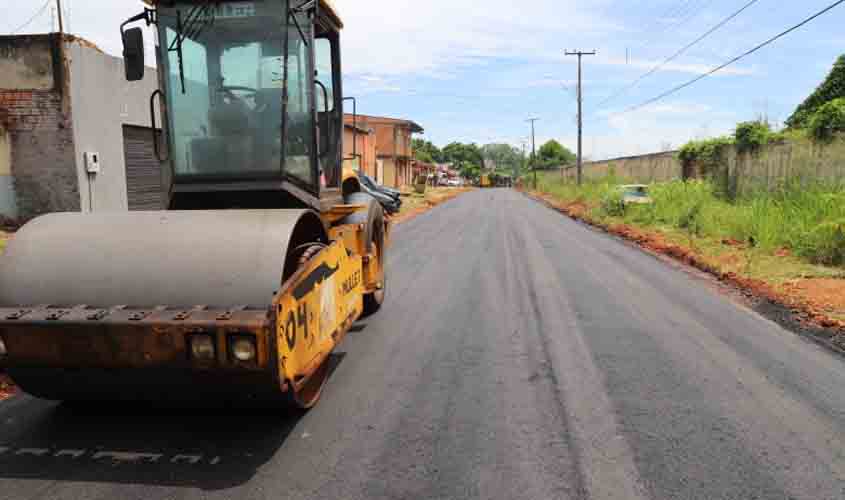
(805, 221)
(503, 159)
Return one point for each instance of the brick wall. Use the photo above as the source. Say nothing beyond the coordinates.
(38, 125)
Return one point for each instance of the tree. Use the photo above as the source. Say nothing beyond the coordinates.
(828, 121)
(553, 155)
(466, 158)
(503, 157)
(832, 88)
(426, 152)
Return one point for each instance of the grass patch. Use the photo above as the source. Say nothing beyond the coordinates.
(794, 231)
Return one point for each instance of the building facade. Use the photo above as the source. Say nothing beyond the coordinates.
(66, 108)
(394, 154)
(359, 149)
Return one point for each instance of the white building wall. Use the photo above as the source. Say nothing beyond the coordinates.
(103, 102)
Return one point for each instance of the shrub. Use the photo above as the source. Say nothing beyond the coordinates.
(828, 120)
(826, 244)
(706, 153)
(750, 137)
(613, 204)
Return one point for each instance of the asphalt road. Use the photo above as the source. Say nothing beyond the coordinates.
(520, 356)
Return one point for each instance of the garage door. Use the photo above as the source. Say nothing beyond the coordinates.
(143, 172)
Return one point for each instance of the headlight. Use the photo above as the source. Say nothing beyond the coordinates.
(202, 347)
(2, 348)
(243, 349)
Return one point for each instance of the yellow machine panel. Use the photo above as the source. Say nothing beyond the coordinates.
(316, 309)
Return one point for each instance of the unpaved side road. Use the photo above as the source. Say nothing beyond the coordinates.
(520, 356)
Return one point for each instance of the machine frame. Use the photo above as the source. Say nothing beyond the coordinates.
(60, 342)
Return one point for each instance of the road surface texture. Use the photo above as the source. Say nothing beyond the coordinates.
(520, 356)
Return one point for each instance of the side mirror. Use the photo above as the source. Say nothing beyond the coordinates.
(133, 54)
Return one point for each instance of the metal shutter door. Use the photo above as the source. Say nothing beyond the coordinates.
(143, 172)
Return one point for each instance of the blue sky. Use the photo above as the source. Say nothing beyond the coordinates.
(475, 71)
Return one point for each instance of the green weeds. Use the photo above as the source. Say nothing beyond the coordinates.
(808, 221)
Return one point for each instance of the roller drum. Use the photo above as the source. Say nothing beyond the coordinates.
(147, 259)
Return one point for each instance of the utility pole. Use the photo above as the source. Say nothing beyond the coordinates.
(533, 150)
(61, 21)
(524, 156)
(580, 54)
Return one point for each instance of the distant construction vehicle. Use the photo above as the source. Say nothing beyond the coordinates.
(266, 256)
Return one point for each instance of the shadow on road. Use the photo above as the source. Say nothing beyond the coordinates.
(209, 449)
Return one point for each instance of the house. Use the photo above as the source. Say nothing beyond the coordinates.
(74, 135)
(423, 169)
(394, 154)
(359, 149)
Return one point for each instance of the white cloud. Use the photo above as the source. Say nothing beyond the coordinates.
(368, 84)
(651, 128)
(433, 38)
(676, 67)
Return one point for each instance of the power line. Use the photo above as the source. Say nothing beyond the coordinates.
(732, 61)
(666, 15)
(34, 16)
(685, 12)
(677, 54)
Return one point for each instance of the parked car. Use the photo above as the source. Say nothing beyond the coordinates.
(454, 183)
(373, 185)
(388, 198)
(635, 194)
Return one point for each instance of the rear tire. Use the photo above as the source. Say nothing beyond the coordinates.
(373, 218)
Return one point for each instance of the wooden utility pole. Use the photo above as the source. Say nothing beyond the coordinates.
(533, 150)
(580, 54)
(61, 21)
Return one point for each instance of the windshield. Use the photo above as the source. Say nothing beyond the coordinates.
(224, 79)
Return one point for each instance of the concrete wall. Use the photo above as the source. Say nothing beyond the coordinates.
(736, 174)
(103, 102)
(35, 118)
(656, 167)
(768, 169)
(26, 62)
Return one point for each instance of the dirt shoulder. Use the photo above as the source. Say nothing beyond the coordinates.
(414, 204)
(805, 298)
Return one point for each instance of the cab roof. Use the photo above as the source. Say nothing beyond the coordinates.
(326, 6)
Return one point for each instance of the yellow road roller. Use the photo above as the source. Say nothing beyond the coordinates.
(264, 255)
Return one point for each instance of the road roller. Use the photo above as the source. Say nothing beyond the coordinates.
(265, 251)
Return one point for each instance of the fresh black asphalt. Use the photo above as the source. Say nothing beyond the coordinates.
(520, 355)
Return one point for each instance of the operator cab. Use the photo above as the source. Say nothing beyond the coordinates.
(224, 71)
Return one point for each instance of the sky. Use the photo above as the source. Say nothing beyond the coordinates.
(473, 71)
